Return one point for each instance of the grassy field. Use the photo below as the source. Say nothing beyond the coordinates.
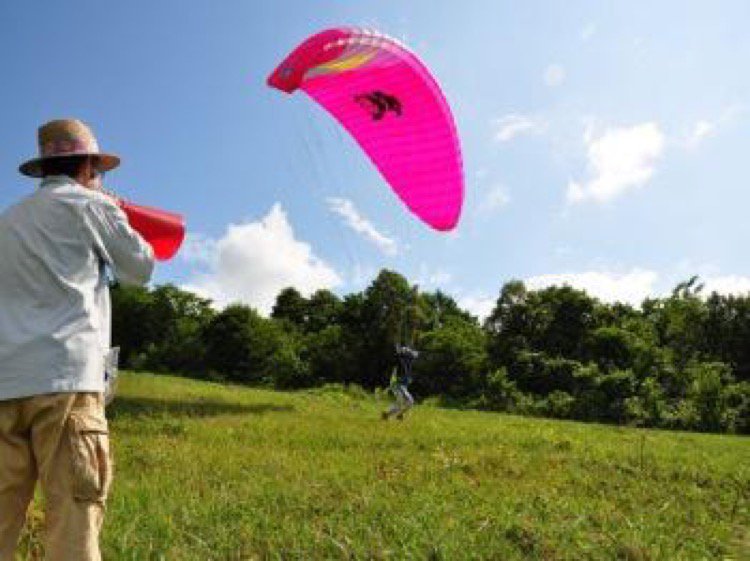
(210, 472)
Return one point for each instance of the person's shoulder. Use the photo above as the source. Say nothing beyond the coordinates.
(14, 207)
(89, 199)
(92, 205)
(22, 207)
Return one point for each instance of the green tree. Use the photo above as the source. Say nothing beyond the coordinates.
(680, 322)
(178, 319)
(240, 344)
(132, 329)
(512, 325)
(323, 310)
(437, 308)
(453, 360)
(707, 394)
(727, 332)
(160, 329)
(330, 357)
(736, 416)
(374, 322)
(285, 367)
(291, 307)
(570, 316)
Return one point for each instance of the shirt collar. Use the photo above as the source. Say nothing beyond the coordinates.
(56, 181)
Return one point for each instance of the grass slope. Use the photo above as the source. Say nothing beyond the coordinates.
(211, 472)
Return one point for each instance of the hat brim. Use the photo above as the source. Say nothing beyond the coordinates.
(104, 162)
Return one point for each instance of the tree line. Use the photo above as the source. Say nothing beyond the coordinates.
(679, 362)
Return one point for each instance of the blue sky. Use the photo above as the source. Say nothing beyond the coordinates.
(605, 143)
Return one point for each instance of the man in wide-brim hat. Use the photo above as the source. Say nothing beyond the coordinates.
(57, 247)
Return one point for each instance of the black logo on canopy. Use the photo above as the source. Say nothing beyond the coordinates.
(378, 104)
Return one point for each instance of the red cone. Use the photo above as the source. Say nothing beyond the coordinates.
(165, 231)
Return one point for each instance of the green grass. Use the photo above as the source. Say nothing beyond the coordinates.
(211, 472)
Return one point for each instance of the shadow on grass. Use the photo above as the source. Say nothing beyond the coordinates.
(134, 407)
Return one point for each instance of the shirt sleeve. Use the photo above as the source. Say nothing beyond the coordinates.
(129, 256)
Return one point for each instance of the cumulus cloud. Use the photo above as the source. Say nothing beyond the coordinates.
(628, 287)
(634, 286)
(631, 287)
(554, 75)
(254, 261)
(198, 249)
(619, 160)
(479, 305)
(729, 284)
(510, 126)
(354, 220)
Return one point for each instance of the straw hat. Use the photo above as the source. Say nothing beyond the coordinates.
(65, 138)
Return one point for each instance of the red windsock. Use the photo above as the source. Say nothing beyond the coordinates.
(165, 231)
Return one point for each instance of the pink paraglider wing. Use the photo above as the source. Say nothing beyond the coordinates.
(393, 107)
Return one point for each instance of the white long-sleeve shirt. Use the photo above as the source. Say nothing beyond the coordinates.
(55, 311)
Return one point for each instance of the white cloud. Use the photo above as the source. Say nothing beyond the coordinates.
(479, 305)
(352, 218)
(495, 198)
(703, 129)
(254, 261)
(619, 160)
(198, 249)
(513, 125)
(429, 278)
(554, 75)
(730, 284)
(631, 287)
(634, 286)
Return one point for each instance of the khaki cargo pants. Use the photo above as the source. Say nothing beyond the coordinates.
(62, 441)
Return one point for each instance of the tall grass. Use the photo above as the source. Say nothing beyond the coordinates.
(210, 472)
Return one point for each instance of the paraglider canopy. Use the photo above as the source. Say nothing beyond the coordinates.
(392, 106)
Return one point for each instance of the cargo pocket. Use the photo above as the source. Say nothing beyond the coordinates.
(91, 462)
